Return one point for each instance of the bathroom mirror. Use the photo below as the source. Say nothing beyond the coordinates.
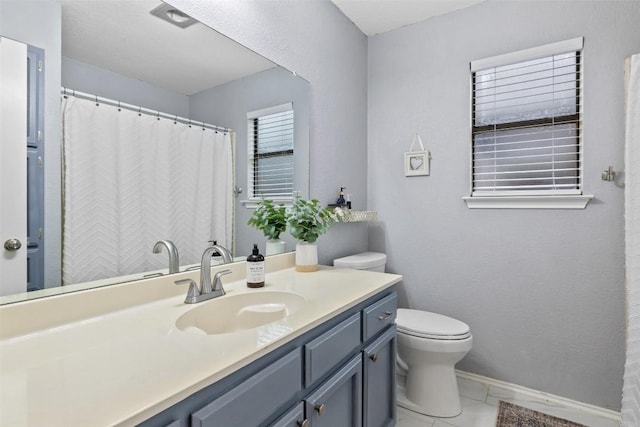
(108, 50)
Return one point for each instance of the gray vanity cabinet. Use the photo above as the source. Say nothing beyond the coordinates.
(252, 402)
(339, 374)
(379, 371)
(338, 402)
(293, 418)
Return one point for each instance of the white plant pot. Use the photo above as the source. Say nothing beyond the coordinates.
(306, 257)
(275, 247)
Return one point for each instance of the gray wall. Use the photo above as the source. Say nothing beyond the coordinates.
(39, 24)
(99, 81)
(314, 39)
(227, 105)
(542, 290)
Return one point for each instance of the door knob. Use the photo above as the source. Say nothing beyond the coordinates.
(303, 423)
(12, 245)
(374, 357)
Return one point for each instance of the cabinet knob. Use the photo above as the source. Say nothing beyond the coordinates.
(374, 357)
(321, 409)
(385, 316)
(303, 423)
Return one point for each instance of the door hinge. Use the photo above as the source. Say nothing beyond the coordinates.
(40, 161)
(40, 233)
(40, 65)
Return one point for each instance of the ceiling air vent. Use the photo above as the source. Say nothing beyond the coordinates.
(168, 13)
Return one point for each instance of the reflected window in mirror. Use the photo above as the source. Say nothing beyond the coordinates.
(270, 153)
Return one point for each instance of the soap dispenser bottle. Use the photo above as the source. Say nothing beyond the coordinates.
(255, 268)
(341, 202)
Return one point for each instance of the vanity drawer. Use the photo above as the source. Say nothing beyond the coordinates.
(326, 351)
(251, 402)
(379, 315)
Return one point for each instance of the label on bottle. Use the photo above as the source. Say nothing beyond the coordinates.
(255, 273)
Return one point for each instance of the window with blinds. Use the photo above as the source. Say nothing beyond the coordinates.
(270, 152)
(526, 125)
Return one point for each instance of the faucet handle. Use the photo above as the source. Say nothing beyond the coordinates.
(222, 273)
(184, 282)
(193, 293)
(217, 280)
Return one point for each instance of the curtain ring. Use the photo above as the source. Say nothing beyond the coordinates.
(97, 104)
(119, 109)
(189, 122)
(175, 120)
(158, 115)
(139, 111)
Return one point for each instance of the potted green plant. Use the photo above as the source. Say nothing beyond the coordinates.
(307, 221)
(272, 221)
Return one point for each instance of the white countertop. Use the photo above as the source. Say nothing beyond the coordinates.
(122, 367)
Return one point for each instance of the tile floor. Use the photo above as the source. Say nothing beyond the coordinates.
(480, 408)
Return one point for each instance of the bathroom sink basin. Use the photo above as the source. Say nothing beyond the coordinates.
(231, 313)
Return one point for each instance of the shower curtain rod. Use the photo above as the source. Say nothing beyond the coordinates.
(140, 110)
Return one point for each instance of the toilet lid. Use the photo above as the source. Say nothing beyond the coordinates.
(431, 325)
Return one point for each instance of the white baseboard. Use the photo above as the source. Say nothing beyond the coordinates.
(500, 390)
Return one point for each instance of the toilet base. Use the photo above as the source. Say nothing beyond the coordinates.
(444, 403)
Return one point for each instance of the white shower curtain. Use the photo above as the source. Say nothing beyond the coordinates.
(132, 179)
(631, 390)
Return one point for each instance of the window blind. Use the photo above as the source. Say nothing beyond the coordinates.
(527, 127)
(271, 141)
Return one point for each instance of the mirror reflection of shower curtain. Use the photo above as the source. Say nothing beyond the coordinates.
(631, 391)
(132, 179)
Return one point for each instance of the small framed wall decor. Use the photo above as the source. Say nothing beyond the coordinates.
(416, 163)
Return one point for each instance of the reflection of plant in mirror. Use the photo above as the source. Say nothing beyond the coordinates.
(269, 218)
(307, 220)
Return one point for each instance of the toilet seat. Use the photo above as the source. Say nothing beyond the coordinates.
(424, 324)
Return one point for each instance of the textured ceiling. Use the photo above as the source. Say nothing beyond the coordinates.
(121, 36)
(378, 16)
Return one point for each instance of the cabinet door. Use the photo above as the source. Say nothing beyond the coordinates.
(379, 381)
(253, 401)
(293, 418)
(338, 401)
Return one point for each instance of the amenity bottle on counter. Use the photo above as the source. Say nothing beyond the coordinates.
(255, 268)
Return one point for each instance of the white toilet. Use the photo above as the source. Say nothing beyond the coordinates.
(429, 346)
(372, 261)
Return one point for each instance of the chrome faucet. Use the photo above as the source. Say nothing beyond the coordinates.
(208, 289)
(174, 263)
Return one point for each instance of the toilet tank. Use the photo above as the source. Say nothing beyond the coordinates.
(372, 261)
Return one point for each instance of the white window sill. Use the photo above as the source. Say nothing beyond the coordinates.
(253, 203)
(528, 202)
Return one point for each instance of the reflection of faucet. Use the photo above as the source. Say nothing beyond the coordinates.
(174, 263)
(222, 251)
